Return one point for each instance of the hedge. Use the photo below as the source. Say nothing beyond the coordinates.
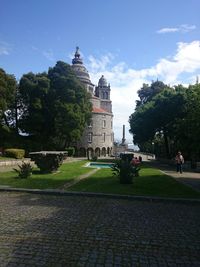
(14, 153)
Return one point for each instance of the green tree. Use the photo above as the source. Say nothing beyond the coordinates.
(188, 128)
(157, 117)
(35, 119)
(147, 92)
(8, 85)
(55, 107)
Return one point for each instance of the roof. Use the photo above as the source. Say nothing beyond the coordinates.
(99, 110)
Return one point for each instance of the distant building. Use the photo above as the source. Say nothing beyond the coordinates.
(98, 136)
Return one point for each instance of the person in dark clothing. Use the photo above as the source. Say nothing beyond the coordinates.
(179, 162)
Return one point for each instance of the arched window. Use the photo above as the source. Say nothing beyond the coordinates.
(89, 137)
(90, 124)
(104, 137)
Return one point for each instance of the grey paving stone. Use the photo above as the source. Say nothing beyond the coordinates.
(46, 230)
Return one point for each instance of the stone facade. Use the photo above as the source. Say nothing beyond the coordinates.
(98, 136)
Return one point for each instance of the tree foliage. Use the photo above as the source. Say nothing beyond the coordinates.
(187, 130)
(35, 119)
(8, 86)
(72, 107)
(54, 107)
(157, 120)
(147, 92)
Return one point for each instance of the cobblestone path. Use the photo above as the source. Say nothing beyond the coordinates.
(43, 230)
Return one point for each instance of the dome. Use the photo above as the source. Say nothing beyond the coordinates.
(79, 68)
(81, 73)
(102, 81)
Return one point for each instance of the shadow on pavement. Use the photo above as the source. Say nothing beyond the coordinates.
(188, 177)
(41, 230)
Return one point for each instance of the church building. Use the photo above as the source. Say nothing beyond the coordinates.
(98, 136)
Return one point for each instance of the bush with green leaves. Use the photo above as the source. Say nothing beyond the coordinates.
(94, 158)
(48, 162)
(70, 151)
(126, 156)
(14, 153)
(125, 171)
(25, 170)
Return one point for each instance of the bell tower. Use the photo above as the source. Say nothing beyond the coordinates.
(103, 92)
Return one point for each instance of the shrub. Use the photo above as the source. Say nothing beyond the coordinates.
(94, 158)
(70, 151)
(14, 153)
(127, 156)
(125, 171)
(48, 161)
(24, 171)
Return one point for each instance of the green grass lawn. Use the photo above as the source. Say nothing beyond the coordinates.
(67, 172)
(151, 182)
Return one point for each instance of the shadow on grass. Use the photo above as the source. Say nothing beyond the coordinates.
(145, 185)
(66, 173)
(35, 183)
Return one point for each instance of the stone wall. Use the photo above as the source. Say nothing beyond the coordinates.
(101, 133)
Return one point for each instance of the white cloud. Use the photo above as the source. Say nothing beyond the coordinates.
(49, 54)
(186, 60)
(100, 64)
(166, 30)
(125, 82)
(187, 28)
(182, 28)
(5, 48)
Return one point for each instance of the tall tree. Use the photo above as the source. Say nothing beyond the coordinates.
(8, 85)
(157, 116)
(72, 106)
(147, 92)
(188, 129)
(55, 107)
(35, 119)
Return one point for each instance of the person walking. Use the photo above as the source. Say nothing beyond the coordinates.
(179, 162)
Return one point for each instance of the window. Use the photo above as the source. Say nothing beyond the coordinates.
(104, 137)
(104, 123)
(112, 137)
(90, 138)
(90, 124)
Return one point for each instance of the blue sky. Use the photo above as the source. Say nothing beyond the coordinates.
(129, 41)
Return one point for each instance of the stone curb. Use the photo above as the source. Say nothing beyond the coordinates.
(101, 195)
(13, 162)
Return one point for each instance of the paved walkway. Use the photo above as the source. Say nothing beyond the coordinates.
(43, 230)
(191, 179)
(187, 177)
